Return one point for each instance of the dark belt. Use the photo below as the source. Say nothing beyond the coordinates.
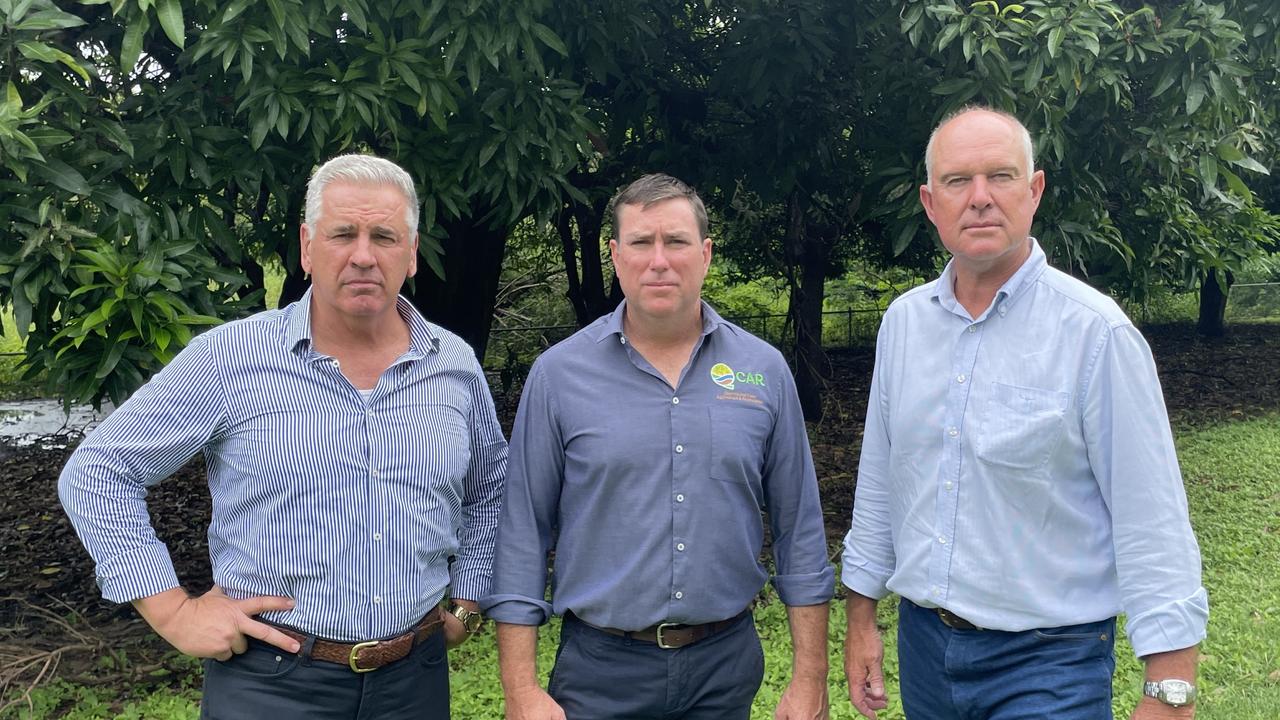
(670, 636)
(362, 657)
(952, 620)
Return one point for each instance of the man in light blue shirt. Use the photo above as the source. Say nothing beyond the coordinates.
(645, 447)
(355, 464)
(1018, 485)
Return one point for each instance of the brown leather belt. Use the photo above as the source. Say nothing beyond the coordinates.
(670, 636)
(362, 657)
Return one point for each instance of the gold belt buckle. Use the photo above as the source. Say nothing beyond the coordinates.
(354, 658)
(661, 642)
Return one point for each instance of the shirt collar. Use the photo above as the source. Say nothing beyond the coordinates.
(711, 321)
(1032, 268)
(421, 338)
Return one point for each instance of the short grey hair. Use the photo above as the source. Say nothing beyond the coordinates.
(654, 188)
(361, 170)
(1028, 148)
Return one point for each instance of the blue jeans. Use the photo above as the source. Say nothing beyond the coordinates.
(266, 683)
(1062, 673)
(607, 677)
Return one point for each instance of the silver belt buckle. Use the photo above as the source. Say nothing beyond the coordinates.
(663, 643)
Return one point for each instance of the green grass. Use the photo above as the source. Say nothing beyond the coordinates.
(1232, 474)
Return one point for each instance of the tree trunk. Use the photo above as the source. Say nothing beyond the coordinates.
(808, 290)
(1213, 304)
(463, 301)
(586, 290)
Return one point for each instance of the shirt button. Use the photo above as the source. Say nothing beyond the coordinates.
(375, 474)
(947, 485)
(377, 536)
(953, 432)
(960, 378)
(933, 590)
(675, 401)
(679, 448)
(678, 595)
(942, 540)
(377, 599)
(973, 328)
(679, 498)
(680, 547)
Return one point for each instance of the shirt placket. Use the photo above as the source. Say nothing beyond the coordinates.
(685, 439)
(377, 569)
(946, 503)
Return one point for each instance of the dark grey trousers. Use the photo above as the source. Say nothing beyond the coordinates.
(266, 683)
(598, 675)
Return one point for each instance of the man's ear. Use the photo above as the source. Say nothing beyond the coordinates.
(304, 247)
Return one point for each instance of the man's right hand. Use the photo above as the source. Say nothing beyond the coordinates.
(213, 625)
(864, 657)
(532, 703)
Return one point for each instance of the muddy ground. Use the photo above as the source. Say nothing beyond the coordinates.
(52, 618)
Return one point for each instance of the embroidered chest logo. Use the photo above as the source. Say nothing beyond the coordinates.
(725, 377)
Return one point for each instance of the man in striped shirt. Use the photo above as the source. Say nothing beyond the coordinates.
(355, 464)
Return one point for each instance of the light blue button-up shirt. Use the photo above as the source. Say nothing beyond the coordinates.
(1018, 468)
(352, 507)
(651, 496)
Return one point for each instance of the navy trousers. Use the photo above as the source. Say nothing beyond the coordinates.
(598, 676)
(1062, 673)
(266, 683)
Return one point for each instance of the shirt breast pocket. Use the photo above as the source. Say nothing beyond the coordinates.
(1020, 427)
(739, 436)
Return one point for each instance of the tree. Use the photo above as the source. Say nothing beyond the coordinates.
(155, 154)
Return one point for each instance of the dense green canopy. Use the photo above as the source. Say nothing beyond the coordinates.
(153, 153)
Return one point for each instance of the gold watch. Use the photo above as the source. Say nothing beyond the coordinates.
(470, 619)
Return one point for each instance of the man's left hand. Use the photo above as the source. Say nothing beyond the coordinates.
(455, 633)
(1152, 709)
(804, 700)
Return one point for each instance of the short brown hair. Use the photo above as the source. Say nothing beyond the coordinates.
(654, 188)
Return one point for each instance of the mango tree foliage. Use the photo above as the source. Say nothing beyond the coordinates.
(1149, 120)
(154, 153)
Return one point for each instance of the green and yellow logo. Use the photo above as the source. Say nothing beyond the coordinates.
(725, 377)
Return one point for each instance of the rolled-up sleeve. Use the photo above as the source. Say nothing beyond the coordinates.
(804, 577)
(868, 559)
(472, 573)
(103, 487)
(1132, 454)
(529, 508)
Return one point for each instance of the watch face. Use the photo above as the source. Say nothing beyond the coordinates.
(472, 622)
(1175, 691)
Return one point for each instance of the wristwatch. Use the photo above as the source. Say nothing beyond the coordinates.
(1171, 692)
(470, 618)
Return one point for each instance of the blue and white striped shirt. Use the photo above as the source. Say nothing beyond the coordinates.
(352, 508)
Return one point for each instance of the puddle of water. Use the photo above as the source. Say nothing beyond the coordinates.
(26, 422)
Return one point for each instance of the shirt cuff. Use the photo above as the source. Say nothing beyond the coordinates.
(808, 589)
(515, 610)
(1172, 626)
(139, 573)
(466, 584)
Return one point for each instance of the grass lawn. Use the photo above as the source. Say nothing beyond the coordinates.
(1232, 474)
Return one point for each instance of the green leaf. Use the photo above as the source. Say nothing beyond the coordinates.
(110, 360)
(49, 20)
(905, 235)
(131, 45)
(1229, 152)
(63, 175)
(1056, 36)
(549, 38)
(1195, 96)
(170, 14)
(952, 86)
